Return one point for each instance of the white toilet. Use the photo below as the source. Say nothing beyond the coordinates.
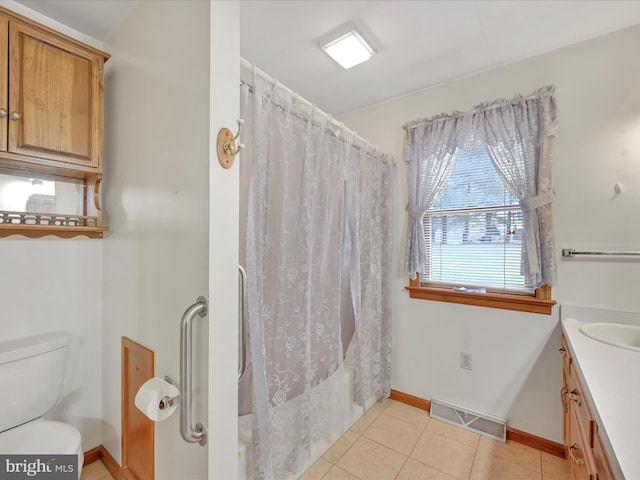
(31, 374)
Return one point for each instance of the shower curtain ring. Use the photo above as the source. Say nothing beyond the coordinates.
(226, 145)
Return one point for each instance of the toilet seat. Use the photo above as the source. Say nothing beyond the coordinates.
(42, 437)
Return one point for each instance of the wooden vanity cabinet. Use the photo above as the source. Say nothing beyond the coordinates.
(583, 444)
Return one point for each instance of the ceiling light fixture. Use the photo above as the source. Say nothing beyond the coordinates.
(348, 47)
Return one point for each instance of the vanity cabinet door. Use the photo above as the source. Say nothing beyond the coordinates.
(602, 463)
(564, 392)
(579, 454)
(55, 99)
(579, 405)
(565, 410)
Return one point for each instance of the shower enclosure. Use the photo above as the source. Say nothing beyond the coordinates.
(316, 200)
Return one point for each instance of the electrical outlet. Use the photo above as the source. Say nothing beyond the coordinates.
(466, 361)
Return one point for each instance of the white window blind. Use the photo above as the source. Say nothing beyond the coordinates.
(473, 233)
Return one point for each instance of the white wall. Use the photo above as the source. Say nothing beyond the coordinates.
(516, 368)
(156, 199)
(52, 284)
(223, 245)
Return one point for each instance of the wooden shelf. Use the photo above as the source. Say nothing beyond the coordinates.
(38, 231)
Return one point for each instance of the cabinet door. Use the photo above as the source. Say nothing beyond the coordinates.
(564, 392)
(564, 399)
(579, 454)
(4, 81)
(55, 99)
(601, 461)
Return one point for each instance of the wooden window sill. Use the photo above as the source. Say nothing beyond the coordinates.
(522, 303)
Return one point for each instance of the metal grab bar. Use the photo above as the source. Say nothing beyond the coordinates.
(570, 252)
(242, 315)
(199, 433)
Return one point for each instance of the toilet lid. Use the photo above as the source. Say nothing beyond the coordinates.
(40, 437)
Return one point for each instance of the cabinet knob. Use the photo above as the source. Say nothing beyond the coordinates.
(3, 112)
(15, 116)
(563, 351)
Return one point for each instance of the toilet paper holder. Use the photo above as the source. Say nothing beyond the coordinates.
(166, 401)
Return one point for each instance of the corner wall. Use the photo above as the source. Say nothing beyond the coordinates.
(516, 368)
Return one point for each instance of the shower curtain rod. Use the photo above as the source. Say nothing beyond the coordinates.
(332, 121)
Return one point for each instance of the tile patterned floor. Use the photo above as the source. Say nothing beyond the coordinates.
(399, 442)
(95, 471)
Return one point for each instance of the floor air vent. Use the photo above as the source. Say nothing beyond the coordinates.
(481, 423)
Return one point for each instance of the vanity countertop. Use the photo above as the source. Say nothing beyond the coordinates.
(612, 378)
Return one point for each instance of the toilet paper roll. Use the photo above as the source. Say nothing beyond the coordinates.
(150, 395)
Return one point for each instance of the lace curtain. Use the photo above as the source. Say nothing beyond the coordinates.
(317, 241)
(517, 135)
(429, 150)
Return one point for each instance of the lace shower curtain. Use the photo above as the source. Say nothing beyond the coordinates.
(318, 240)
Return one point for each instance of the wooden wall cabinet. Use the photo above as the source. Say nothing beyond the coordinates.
(583, 445)
(51, 114)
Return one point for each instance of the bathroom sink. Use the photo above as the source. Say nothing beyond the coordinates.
(617, 334)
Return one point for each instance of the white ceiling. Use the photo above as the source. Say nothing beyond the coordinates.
(95, 18)
(419, 43)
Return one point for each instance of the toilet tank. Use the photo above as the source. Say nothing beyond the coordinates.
(31, 374)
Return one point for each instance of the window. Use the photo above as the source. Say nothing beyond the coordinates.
(473, 238)
(473, 232)
(473, 214)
